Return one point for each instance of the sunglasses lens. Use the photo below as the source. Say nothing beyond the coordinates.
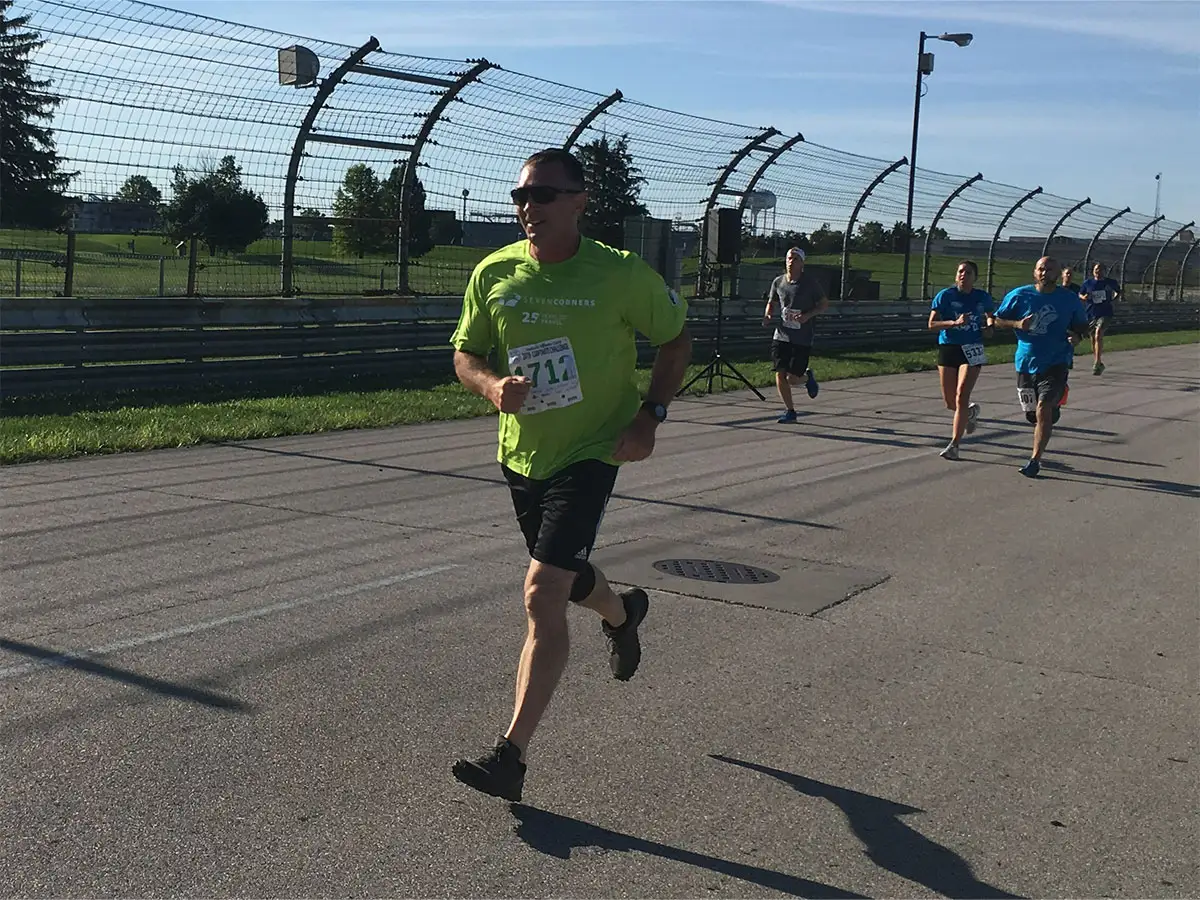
(538, 193)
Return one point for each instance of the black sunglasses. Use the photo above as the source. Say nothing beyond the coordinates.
(539, 193)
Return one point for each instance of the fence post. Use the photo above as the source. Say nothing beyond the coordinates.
(902, 161)
(735, 280)
(17, 266)
(999, 228)
(937, 217)
(587, 120)
(1158, 258)
(1087, 255)
(1137, 237)
(414, 157)
(1179, 276)
(193, 246)
(286, 264)
(718, 189)
(69, 278)
(1057, 225)
(162, 276)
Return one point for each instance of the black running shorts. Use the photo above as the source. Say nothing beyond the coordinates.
(951, 356)
(560, 515)
(1044, 388)
(789, 357)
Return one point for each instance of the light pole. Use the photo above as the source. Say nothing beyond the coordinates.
(1157, 197)
(463, 227)
(924, 67)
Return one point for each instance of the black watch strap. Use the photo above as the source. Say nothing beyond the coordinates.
(655, 409)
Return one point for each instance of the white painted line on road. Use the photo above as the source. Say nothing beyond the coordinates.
(209, 624)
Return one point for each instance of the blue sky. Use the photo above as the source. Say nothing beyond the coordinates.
(1083, 98)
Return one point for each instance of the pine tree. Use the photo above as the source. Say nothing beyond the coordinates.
(31, 181)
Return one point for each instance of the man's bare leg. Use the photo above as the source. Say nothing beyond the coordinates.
(547, 646)
(604, 600)
(783, 384)
(1041, 432)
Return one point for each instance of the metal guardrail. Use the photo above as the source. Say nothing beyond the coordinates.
(107, 346)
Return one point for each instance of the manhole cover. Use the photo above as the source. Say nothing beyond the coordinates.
(714, 570)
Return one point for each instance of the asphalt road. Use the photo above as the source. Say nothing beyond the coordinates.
(244, 670)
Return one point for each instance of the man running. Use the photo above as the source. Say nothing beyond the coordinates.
(801, 298)
(560, 311)
(1098, 294)
(1042, 314)
(1068, 280)
(959, 315)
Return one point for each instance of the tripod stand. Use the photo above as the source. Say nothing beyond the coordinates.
(718, 364)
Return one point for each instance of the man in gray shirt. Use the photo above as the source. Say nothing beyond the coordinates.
(800, 298)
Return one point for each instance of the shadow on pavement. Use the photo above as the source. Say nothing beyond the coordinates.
(890, 843)
(50, 657)
(557, 836)
(416, 470)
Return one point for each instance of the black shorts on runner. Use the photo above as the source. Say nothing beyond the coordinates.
(560, 515)
(1045, 387)
(789, 357)
(951, 356)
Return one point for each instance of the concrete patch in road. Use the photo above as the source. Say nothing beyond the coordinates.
(708, 572)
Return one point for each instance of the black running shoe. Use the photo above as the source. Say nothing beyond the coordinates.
(624, 648)
(499, 773)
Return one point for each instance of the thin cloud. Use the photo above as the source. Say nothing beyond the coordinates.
(1172, 27)
(448, 26)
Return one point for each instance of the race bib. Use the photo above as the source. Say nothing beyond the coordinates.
(1099, 296)
(1027, 398)
(792, 317)
(975, 354)
(550, 365)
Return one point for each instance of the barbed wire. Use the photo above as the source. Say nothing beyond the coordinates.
(146, 89)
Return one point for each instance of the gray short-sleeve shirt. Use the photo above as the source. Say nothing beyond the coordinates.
(794, 298)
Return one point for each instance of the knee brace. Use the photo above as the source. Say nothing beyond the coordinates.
(583, 585)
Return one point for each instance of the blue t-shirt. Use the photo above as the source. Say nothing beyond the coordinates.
(952, 303)
(1099, 293)
(1045, 343)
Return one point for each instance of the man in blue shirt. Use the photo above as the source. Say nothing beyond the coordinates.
(959, 315)
(1098, 294)
(1041, 314)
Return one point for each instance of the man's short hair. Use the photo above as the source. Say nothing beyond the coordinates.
(570, 165)
(971, 263)
(799, 251)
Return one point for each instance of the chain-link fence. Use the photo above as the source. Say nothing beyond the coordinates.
(389, 174)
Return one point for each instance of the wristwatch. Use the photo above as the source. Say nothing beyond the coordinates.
(655, 409)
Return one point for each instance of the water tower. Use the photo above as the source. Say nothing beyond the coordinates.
(758, 202)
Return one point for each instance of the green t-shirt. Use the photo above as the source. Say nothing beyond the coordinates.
(569, 327)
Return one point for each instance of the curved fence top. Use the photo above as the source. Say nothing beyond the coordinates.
(146, 89)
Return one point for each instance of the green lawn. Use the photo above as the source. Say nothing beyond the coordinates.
(888, 270)
(34, 429)
(106, 266)
(117, 265)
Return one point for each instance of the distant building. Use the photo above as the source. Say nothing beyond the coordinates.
(98, 216)
(479, 233)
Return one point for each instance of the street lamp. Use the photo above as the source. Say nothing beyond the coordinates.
(463, 226)
(1157, 198)
(924, 67)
